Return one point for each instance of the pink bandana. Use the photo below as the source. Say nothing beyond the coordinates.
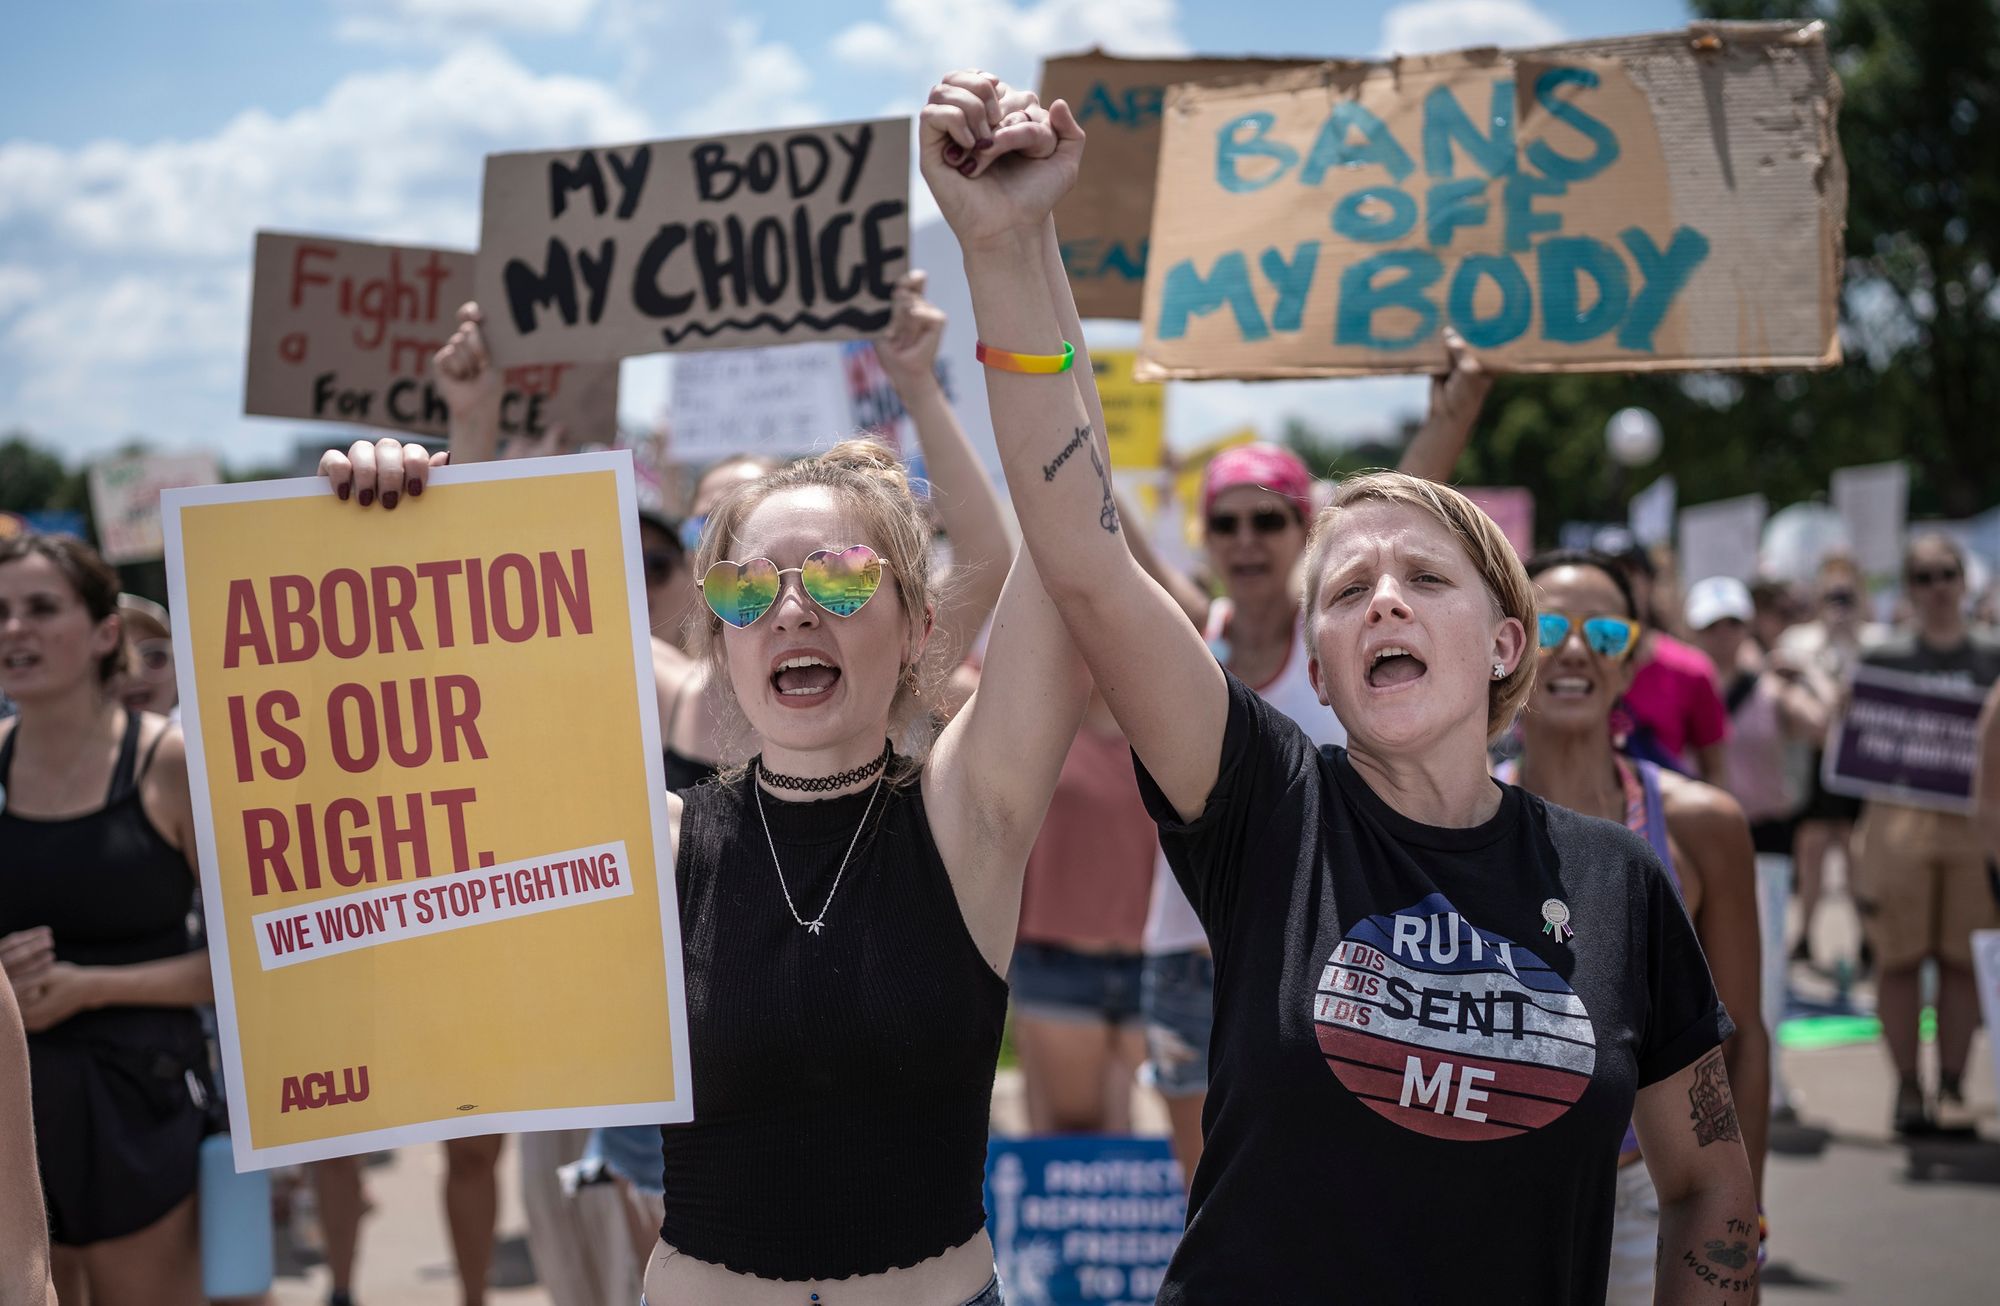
(1265, 466)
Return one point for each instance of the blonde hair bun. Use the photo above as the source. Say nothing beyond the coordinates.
(870, 458)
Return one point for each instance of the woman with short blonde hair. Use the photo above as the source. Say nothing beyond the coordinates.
(1438, 999)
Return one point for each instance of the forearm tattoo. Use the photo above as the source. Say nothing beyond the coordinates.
(1724, 1264)
(1714, 1113)
(1054, 465)
(1107, 514)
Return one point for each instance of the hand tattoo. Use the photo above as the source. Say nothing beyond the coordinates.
(1714, 1113)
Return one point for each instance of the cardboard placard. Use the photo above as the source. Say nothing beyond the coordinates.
(344, 330)
(1135, 412)
(374, 706)
(1650, 515)
(1104, 221)
(1907, 739)
(705, 243)
(1873, 503)
(1663, 202)
(1721, 538)
(1085, 1219)
(781, 401)
(125, 500)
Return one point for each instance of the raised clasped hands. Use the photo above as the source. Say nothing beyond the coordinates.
(996, 160)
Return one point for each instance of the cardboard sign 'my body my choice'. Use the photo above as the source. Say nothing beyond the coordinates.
(755, 239)
(432, 825)
(1644, 203)
(343, 331)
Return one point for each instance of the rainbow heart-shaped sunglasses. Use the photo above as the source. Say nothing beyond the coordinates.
(841, 581)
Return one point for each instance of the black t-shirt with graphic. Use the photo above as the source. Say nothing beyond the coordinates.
(1416, 1093)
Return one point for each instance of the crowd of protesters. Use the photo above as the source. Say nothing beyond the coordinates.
(936, 791)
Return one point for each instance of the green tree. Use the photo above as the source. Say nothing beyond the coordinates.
(34, 480)
(1919, 128)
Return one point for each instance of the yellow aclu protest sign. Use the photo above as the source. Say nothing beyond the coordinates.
(425, 756)
(1134, 411)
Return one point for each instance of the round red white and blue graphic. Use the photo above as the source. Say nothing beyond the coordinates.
(1451, 1030)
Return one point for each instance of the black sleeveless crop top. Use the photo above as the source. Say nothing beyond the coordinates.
(842, 1080)
(109, 886)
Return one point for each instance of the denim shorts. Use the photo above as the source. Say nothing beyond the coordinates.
(1177, 995)
(633, 1153)
(987, 1296)
(1051, 982)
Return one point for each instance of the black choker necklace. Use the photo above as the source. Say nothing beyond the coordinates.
(819, 784)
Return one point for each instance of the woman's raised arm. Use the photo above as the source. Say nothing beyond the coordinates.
(996, 181)
(967, 504)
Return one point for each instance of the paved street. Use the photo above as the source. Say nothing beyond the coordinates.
(1857, 1216)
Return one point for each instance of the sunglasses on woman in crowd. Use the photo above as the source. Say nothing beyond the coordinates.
(840, 581)
(1265, 521)
(1925, 576)
(1607, 636)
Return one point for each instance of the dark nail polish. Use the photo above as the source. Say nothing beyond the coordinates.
(416, 488)
(969, 167)
(366, 497)
(982, 145)
(389, 498)
(953, 155)
(346, 488)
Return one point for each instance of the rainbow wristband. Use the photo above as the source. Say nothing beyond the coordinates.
(1030, 364)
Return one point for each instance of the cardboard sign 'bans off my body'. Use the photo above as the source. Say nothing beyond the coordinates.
(343, 331)
(1645, 203)
(695, 244)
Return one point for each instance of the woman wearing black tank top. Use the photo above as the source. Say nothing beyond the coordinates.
(847, 908)
(96, 881)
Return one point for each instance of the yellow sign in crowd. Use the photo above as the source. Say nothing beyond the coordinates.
(385, 717)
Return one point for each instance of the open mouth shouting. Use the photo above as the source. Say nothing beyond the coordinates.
(1569, 688)
(1393, 667)
(804, 677)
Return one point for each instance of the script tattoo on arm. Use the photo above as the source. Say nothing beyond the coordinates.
(1107, 513)
(1714, 1113)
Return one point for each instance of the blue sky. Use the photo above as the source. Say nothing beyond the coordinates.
(143, 141)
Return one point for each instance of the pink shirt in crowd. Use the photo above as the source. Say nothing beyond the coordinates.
(1090, 875)
(1673, 695)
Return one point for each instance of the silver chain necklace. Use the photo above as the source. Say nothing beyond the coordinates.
(818, 922)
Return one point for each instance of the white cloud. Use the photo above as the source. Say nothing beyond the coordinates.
(767, 85)
(401, 23)
(393, 154)
(1425, 26)
(924, 38)
(133, 317)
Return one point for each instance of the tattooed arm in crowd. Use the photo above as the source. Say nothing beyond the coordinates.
(1693, 1146)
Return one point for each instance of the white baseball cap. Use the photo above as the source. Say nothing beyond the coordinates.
(1716, 598)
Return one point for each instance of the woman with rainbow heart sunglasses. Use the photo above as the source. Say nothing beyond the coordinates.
(848, 904)
(1588, 633)
(1439, 1001)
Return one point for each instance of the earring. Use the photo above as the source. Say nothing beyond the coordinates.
(910, 681)
(1499, 670)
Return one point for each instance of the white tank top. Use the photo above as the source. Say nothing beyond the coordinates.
(1171, 925)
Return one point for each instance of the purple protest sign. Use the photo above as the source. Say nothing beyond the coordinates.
(1908, 739)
